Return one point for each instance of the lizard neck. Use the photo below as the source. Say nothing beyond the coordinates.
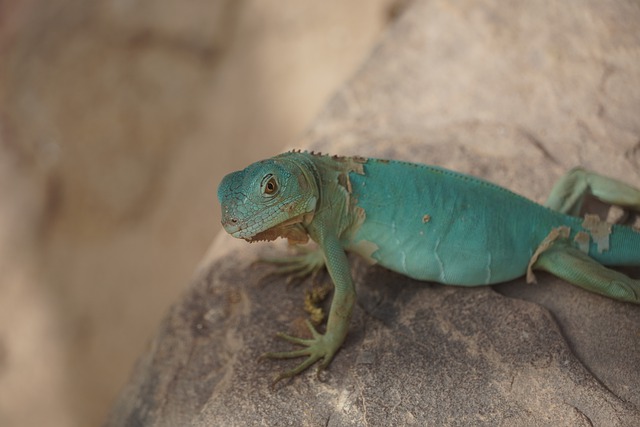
(336, 211)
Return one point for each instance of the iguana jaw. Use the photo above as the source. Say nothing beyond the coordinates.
(265, 227)
(291, 229)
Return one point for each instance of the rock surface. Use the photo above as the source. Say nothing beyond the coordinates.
(516, 95)
(117, 119)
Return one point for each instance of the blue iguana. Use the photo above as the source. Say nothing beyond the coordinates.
(428, 223)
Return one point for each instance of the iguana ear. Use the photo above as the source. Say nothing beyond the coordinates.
(311, 204)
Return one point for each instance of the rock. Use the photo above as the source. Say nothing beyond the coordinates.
(515, 94)
(117, 119)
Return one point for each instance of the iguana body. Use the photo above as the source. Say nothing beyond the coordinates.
(427, 223)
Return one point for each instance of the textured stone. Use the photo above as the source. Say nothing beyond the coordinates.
(515, 94)
(117, 118)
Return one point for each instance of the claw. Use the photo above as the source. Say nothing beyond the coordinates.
(316, 348)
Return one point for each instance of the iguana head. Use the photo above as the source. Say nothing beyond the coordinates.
(269, 199)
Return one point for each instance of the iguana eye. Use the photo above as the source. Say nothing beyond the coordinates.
(269, 185)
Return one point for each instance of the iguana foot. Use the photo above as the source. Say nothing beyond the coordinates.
(297, 267)
(320, 347)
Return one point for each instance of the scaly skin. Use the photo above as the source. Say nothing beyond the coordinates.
(428, 223)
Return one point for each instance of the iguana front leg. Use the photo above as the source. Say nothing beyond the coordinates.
(297, 267)
(324, 346)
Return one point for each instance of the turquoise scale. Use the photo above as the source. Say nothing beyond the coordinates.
(434, 224)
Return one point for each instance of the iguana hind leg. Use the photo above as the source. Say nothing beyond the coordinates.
(569, 193)
(576, 267)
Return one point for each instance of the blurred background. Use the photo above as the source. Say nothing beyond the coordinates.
(117, 121)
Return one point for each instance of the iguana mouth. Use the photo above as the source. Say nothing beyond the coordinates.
(267, 235)
(291, 229)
